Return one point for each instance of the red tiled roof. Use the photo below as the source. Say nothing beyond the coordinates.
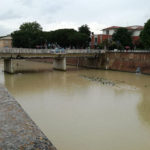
(129, 27)
(112, 27)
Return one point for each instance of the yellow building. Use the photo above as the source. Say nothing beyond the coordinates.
(6, 42)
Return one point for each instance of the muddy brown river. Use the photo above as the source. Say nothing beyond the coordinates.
(86, 109)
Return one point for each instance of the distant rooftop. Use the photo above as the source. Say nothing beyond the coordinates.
(135, 27)
(112, 27)
(7, 37)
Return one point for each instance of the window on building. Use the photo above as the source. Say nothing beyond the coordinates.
(95, 40)
(107, 32)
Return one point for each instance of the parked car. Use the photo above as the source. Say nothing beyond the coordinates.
(58, 50)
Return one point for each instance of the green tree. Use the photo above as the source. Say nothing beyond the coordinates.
(28, 36)
(122, 37)
(67, 38)
(145, 35)
(78, 40)
(85, 29)
(61, 37)
(31, 27)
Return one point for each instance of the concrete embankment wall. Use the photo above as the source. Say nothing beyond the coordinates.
(115, 61)
(17, 130)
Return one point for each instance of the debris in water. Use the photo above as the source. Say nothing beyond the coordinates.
(117, 84)
(99, 79)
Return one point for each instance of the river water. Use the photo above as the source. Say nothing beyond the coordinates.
(86, 109)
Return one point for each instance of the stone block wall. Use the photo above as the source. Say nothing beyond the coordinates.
(115, 61)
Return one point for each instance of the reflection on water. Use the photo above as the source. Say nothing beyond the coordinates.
(81, 114)
(144, 106)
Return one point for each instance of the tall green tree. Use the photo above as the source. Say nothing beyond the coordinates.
(122, 37)
(31, 27)
(61, 37)
(79, 40)
(67, 38)
(85, 29)
(28, 36)
(145, 35)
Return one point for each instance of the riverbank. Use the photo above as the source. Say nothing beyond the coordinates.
(17, 130)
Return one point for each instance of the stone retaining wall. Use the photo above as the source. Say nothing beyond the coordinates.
(115, 61)
(17, 130)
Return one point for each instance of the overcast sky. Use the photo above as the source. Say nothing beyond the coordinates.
(55, 14)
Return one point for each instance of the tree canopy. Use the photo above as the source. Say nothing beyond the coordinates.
(85, 29)
(79, 40)
(122, 37)
(145, 35)
(31, 27)
(67, 38)
(28, 35)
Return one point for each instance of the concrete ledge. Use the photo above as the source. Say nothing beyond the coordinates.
(17, 130)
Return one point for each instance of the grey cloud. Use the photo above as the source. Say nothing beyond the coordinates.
(25, 2)
(103, 12)
(4, 30)
(9, 15)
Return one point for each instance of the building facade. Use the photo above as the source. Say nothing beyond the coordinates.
(6, 42)
(108, 32)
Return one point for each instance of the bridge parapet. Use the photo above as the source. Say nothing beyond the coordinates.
(46, 51)
(24, 51)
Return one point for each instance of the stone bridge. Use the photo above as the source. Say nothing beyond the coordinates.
(59, 55)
